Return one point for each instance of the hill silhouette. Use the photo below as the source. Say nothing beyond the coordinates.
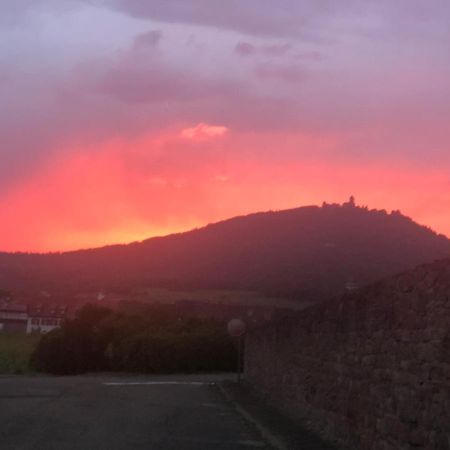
(310, 253)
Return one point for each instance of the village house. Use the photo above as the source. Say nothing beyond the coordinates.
(45, 318)
(19, 318)
(13, 317)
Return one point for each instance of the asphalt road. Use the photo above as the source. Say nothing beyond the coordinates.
(126, 412)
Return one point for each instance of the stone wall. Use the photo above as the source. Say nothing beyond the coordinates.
(370, 370)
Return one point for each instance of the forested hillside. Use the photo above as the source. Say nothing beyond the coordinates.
(310, 253)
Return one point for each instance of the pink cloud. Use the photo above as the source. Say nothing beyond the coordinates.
(204, 131)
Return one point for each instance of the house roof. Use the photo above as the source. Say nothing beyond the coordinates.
(13, 307)
(57, 311)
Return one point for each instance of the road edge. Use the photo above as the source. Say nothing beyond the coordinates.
(266, 434)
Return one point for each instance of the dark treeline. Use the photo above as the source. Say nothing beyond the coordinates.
(100, 339)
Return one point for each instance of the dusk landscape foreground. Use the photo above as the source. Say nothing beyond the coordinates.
(224, 225)
(347, 340)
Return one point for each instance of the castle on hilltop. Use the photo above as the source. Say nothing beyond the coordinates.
(351, 203)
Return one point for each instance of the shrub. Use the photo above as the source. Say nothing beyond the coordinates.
(99, 339)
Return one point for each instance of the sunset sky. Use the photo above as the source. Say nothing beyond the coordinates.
(125, 119)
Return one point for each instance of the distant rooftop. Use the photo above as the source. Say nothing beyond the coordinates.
(12, 307)
(50, 311)
(43, 310)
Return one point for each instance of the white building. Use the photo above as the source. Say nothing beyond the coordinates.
(45, 318)
(19, 318)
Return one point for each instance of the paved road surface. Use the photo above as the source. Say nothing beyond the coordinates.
(115, 413)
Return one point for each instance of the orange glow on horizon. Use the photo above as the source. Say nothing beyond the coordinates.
(125, 191)
(131, 119)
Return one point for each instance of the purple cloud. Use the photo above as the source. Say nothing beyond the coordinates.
(245, 49)
(148, 39)
(276, 49)
(268, 50)
(290, 18)
(288, 73)
(259, 17)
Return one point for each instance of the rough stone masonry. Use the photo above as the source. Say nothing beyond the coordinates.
(370, 370)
